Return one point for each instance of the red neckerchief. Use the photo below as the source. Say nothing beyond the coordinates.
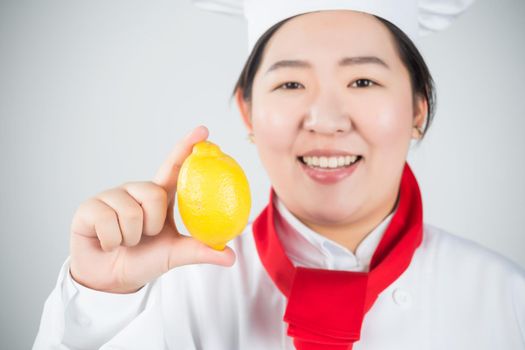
(326, 308)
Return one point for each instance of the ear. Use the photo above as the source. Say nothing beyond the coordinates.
(244, 109)
(420, 116)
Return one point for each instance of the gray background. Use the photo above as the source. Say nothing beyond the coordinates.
(96, 93)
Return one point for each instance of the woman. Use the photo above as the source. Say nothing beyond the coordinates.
(340, 257)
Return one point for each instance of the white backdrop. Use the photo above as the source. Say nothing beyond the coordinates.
(96, 93)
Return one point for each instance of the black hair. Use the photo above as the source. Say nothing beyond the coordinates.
(420, 77)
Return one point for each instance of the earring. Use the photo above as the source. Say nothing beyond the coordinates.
(414, 141)
(419, 130)
(251, 137)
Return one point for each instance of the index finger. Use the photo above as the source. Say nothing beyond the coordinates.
(168, 172)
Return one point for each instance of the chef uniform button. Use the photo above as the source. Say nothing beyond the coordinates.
(402, 297)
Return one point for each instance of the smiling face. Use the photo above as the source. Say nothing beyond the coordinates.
(331, 87)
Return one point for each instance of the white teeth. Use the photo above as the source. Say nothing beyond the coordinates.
(329, 162)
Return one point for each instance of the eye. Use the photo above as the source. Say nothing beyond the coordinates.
(290, 85)
(362, 83)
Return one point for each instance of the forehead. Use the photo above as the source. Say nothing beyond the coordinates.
(330, 33)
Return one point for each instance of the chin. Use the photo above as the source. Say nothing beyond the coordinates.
(329, 214)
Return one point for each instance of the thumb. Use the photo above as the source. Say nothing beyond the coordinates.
(157, 255)
(187, 250)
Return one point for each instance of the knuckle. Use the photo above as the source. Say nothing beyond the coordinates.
(132, 214)
(85, 214)
(106, 214)
(78, 214)
(156, 193)
(86, 206)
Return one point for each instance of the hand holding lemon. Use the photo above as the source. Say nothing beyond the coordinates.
(125, 237)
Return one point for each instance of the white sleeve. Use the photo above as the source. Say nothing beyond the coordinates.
(518, 302)
(76, 317)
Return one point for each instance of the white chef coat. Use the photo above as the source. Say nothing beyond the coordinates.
(456, 294)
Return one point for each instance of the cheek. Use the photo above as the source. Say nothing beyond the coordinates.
(388, 122)
(275, 126)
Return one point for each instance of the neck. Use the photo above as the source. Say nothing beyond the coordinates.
(352, 234)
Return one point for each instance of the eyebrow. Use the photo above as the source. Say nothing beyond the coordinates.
(346, 61)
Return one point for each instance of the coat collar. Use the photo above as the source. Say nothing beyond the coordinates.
(307, 248)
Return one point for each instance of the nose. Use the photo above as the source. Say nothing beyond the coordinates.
(327, 114)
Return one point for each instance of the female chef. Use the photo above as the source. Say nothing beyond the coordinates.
(332, 95)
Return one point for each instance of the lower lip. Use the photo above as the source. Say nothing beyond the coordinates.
(329, 176)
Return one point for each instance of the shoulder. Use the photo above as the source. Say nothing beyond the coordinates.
(443, 245)
(448, 255)
(472, 284)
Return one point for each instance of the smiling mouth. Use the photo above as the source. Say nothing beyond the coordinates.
(329, 163)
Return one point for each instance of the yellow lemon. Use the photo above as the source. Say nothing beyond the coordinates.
(213, 195)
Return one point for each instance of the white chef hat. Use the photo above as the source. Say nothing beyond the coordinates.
(414, 17)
